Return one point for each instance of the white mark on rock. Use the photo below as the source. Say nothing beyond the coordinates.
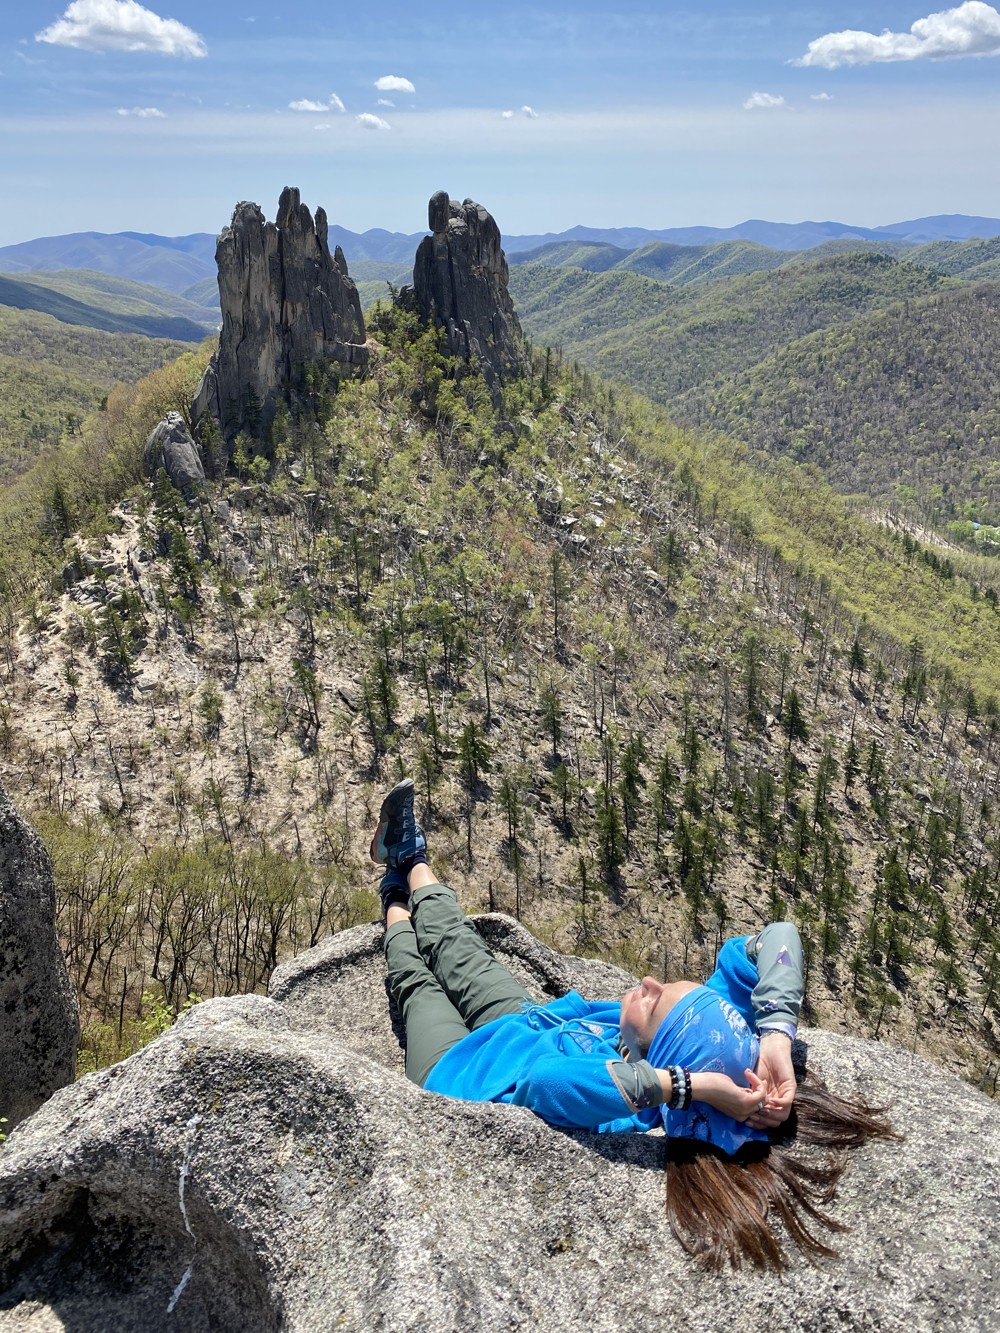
(179, 1289)
(192, 1133)
(192, 1130)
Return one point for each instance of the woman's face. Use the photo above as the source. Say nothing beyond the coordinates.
(643, 1010)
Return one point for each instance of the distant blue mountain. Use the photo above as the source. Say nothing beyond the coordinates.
(178, 262)
(776, 235)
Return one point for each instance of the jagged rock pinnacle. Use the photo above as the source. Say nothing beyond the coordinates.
(286, 301)
(460, 282)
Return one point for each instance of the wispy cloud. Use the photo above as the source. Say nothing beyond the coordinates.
(308, 104)
(529, 112)
(971, 29)
(367, 120)
(821, 97)
(394, 83)
(121, 25)
(506, 115)
(384, 101)
(763, 102)
(143, 112)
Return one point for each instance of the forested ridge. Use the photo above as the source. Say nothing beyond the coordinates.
(24, 294)
(651, 692)
(974, 260)
(53, 374)
(902, 404)
(878, 370)
(665, 340)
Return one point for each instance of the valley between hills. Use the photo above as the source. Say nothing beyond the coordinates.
(691, 630)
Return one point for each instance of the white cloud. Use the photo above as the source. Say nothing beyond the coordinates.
(527, 111)
(971, 29)
(307, 104)
(506, 115)
(325, 125)
(384, 101)
(369, 121)
(762, 101)
(394, 83)
(121, 25)
(143, 112)
(821, 97)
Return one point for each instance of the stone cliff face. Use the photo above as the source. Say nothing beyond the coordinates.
(39, 1018)
(265, 1165)
(285, 301)
(460, 282)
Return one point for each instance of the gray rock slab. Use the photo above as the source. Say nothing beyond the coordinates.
(265, 1165)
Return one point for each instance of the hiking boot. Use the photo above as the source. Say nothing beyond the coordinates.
(398, 838)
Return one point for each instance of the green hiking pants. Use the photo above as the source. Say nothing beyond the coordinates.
(443, 978)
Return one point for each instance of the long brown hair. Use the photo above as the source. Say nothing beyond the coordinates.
(721, 1209)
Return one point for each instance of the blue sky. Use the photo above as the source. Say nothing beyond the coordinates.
(116, 115)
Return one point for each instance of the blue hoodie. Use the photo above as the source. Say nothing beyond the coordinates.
(552, 1058)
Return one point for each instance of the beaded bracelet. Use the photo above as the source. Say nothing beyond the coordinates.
(680, 1088)
(686, 1096)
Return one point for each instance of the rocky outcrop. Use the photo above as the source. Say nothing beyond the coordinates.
(285, 301)
(265, 1165)
(39, 1018)
(460, 282)
(171, 446)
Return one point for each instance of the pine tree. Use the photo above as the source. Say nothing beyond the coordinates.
(793, 722)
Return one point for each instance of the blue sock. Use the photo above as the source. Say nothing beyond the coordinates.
(394, 881)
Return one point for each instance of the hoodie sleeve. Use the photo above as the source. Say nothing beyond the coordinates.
(777, 996)
(588, 1092)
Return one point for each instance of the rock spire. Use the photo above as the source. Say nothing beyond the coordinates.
(460, 281)
(286, 300)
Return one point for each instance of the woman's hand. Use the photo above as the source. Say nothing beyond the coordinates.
(775, 1066)
(720, 1091)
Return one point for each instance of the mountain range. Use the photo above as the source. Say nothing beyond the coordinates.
(177, 263)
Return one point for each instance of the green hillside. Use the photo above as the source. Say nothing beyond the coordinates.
(594, 256)
(668, 262)
(848, 245)
(204, 293)
(29, 292)
(974, 261)
(702, 263)
(120, 296)
(903, 403)
(53, 374)
(379, 270)
(665, 340)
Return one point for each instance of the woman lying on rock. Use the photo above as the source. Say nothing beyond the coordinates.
(711, 1064)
